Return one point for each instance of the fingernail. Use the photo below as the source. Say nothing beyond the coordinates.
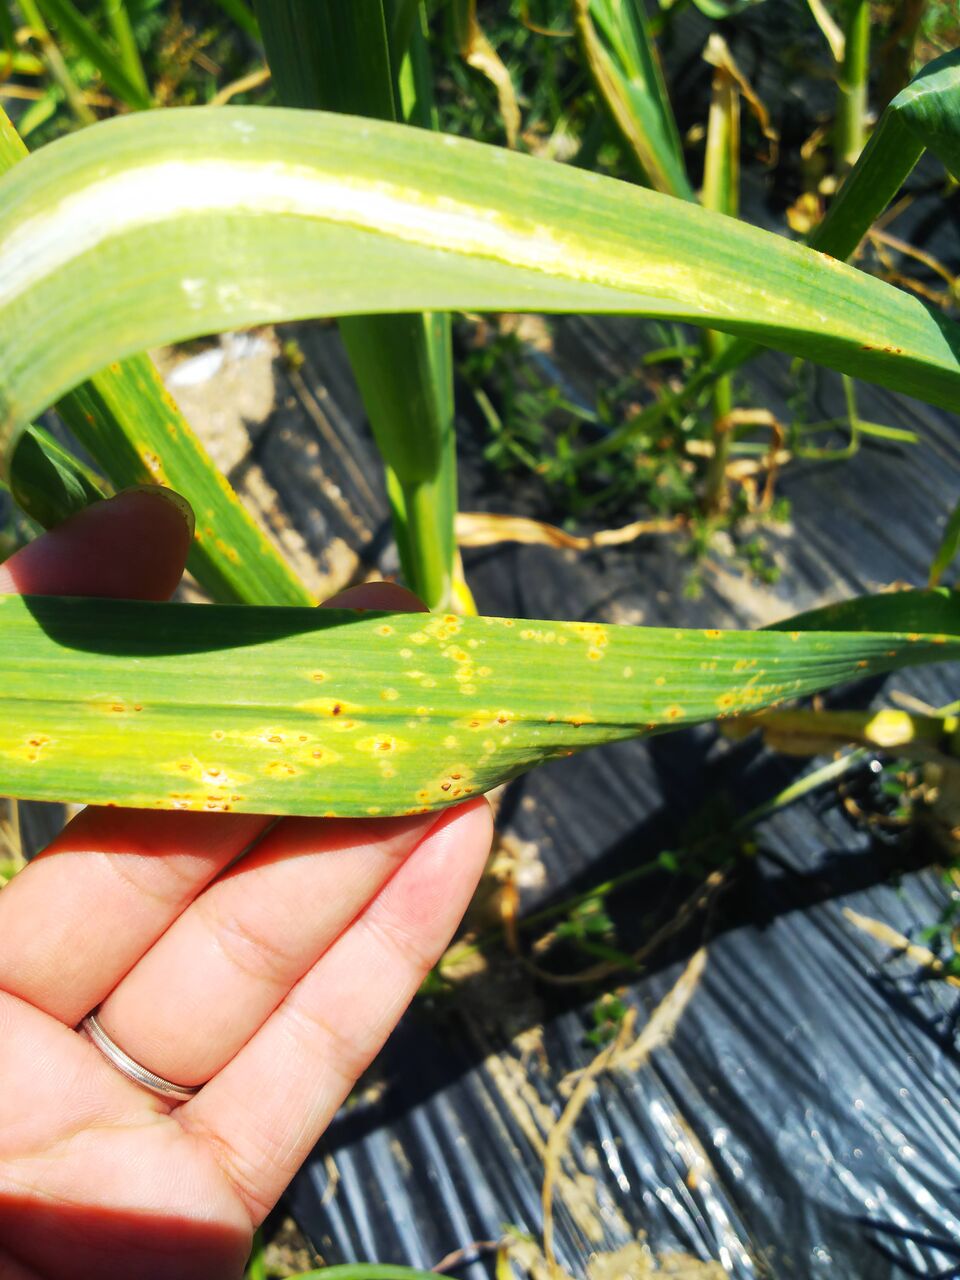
(167, 495)
(387, 597)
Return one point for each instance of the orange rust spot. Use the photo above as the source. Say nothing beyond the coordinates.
(385, 630)
(863, 663)
(280, 769)
(913, 637)
(674, 712)
(318, 676)
(445, 786)
(336, 709)
(275, 737)
(217, 735)
(794, 635)
(725, 700)
(35, 746)
(152, 463)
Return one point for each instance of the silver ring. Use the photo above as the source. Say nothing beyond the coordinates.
(133, 1070)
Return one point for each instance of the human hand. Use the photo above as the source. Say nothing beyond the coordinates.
(272, 982)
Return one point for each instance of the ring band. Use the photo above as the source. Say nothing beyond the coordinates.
(133, 1070)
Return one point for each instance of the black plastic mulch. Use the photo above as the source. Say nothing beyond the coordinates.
(802, 1120)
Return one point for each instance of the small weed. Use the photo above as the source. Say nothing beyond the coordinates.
(608, 1013)
(587, 922)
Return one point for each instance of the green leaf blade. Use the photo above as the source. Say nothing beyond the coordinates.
(184, 222)
(330, 712)
(127, 419)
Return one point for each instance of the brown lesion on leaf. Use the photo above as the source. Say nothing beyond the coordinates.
(32, 748)
(151, 461)
(112, 705)
(281, 770)
(454, 784)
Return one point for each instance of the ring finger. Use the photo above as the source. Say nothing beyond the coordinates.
(220, 970)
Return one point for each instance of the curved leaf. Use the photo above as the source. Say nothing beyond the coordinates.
(930, 104)
(147, 229)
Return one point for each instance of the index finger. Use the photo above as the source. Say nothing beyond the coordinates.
(104, 867)
(131, 547)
